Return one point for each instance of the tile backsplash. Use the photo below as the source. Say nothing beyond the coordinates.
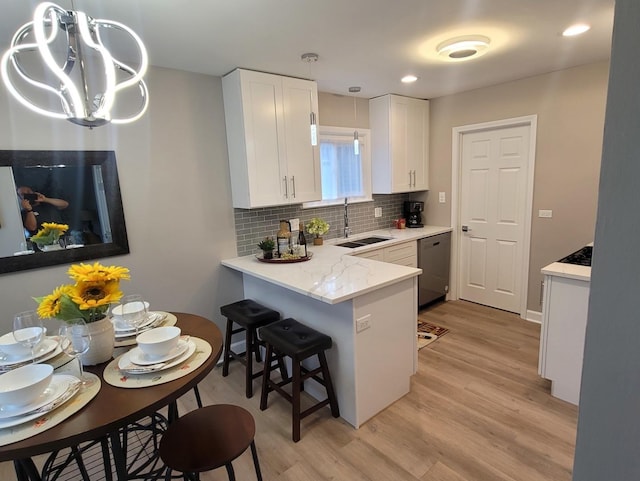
(252, 225)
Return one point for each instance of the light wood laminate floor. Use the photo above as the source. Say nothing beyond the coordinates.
(477, 411)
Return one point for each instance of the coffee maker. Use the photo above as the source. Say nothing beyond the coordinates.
(413, 213)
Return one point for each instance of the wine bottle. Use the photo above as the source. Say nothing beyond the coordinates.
(303, 242)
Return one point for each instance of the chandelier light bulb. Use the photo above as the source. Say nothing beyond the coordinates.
(82, 100)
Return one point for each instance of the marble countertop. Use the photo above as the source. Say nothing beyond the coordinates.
(570, 271)
(333, 275)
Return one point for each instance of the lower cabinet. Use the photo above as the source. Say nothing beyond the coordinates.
(564, 323)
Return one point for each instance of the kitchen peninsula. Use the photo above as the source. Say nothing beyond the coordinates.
(369, 308)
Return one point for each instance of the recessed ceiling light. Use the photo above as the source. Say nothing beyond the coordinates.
(576, 29)
(407, 79)
(463, 48)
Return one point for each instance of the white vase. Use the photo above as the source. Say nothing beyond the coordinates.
(102, 342)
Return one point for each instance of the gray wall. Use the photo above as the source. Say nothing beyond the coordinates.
(570, 105)
(609, 422)
(174, 178)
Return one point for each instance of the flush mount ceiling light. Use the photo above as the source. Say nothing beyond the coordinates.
(79, 71)
(576, 29)
(463, 48)
(407, 79)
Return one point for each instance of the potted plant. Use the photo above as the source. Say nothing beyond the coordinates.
(267, 245)
(318, 228)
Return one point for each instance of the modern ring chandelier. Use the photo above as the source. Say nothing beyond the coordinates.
(58, 66)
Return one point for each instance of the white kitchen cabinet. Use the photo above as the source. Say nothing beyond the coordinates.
(271, 158)
(404, 254)
(399, 144)
(564, 323)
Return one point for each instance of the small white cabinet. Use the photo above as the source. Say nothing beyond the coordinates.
(271, 158)
(400, 144)
(564, 323)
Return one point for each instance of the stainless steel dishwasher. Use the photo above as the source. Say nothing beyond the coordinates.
(433, 258)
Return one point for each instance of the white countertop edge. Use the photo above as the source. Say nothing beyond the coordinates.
(570, 271)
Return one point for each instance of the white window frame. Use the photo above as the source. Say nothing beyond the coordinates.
(364, 137)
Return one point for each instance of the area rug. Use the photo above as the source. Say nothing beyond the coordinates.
(428, 333)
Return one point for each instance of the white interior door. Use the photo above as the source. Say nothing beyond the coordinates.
(494, 171)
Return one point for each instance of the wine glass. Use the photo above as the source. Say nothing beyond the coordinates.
(28, 330)
(133, 311)
(75, 340)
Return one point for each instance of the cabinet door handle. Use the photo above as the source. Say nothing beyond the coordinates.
(414, 178)
(410, 183)
(286, 188)
(293, 185)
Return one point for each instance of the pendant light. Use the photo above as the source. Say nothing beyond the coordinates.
(356, 141)
(311, 58)
(80, 73)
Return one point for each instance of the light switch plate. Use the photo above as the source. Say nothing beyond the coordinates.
(545, 213)
(442, 197)
(295, 224)
(377, 212)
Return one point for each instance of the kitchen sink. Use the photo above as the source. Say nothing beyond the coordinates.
(363, 242)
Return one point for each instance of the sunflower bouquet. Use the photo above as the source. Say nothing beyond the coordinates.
(95, 288)
(49, 233)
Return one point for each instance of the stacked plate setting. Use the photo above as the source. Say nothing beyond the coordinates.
(158, 349)
(47, 349)
(29, 392)
(124, 331)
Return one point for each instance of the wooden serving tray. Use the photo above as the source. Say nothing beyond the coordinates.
(277, 260)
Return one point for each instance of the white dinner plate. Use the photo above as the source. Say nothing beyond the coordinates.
(57, 387)
(137, 356)
(46, 347)
(130, 331)
(125, 359)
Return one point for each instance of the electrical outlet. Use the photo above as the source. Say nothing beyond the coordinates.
(295, 224)
(545, 213)
(377, 212)
(363, 323)
(442, 197)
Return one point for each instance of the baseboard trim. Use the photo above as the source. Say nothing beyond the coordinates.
(534, 316)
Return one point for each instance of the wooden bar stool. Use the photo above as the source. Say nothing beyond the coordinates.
(299, 342)
(209, 438)
(249, 315)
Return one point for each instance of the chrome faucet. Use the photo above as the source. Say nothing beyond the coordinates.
(347, 229)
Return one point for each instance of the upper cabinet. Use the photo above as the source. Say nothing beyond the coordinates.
(400, 144)
(271, 157)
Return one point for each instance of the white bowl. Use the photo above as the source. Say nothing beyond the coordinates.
(116, 315)
(24, 384)
(13, 348)
(159, 341)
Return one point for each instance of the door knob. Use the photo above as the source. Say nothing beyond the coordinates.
(465, 228)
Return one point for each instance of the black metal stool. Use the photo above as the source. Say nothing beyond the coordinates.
(299, 342)
(209, 438)
(249, 315)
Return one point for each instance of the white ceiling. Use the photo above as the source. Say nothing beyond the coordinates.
(367, 43)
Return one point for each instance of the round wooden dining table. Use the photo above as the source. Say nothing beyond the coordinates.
(115, 408)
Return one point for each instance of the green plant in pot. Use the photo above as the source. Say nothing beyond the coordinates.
(318, 227)
(267, 245)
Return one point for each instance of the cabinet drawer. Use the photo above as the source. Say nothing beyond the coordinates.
(376, 255)
(400, 251)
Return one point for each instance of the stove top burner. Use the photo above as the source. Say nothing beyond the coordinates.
(581, 257)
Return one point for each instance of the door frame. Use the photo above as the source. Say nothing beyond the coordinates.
(456, 161)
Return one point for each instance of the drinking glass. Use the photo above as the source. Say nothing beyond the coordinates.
(28, 330)
(133, 311)
(75, 340)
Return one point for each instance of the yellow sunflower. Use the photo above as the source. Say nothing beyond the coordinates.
(53, 226)
(50, 305)
(90, 295)
(97, 273)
